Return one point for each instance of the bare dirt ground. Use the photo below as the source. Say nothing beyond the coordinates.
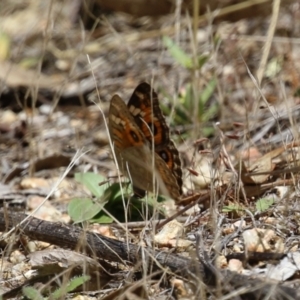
(228, 84)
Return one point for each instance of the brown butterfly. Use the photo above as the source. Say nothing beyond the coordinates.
(142, 145)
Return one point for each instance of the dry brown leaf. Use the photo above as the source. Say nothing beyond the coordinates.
(204, 171)
(34, 182)
(179, 287)
(221, 262)
(50, 162)
(250, 154)
(104, 230)
(262, 240)
(58, 259)
(261, 165)
(16, 76)
(8, 117)
(47, 211)
(171, 230)
(235, 265)
(255, 190)
(170, 236)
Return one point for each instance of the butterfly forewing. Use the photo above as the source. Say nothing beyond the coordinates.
(133, 129)
(144, 106)
(122, 128)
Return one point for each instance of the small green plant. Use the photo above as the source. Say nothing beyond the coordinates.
(233, 208)
(205, 112)
(263, 204)
(33, 294)
(83, 209)
(181, 57)
(107, 202)
(189, 101)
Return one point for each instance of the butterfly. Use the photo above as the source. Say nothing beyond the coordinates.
(142, 146)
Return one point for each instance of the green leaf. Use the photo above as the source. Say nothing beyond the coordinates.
(92, 181)
(206, 113)
(87, 210)
(83, 209)
(178, 54)
(208, 131)
(29, 62)
(77, 281)
(263, 204)
(5, 46)
(232, 208)
(102, 219)
(208, 91)
(202, 59)
(188, 100)
(32, 293)
(297, 93)
(71, 286)
(115, 190)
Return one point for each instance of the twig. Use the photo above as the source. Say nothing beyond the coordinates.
(105, 248)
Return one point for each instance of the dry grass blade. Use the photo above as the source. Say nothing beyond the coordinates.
(267, 47)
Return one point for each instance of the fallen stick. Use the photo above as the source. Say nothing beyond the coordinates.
(73, 237)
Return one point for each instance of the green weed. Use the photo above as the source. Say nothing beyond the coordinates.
(33, 294)
(108, 202)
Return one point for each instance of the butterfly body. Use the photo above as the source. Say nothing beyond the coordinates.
(141, 143)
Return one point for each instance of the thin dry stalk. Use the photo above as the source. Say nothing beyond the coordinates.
(267, 47)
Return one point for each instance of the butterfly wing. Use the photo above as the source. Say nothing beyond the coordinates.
(133, 154)
(144, 107)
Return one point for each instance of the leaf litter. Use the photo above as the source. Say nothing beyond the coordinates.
(45, 117)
